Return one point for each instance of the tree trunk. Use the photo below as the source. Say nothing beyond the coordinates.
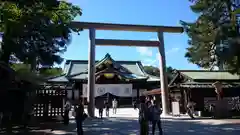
(33, 65)
(5, 57)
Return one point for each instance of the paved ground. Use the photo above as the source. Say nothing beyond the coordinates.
(125, 123)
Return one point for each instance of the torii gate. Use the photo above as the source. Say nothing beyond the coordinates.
(113, 42)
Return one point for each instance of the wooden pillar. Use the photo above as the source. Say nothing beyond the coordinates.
(185, 96)
(163, 76)
(91, 73)
(137, 100)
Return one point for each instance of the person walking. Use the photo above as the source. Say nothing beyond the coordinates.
(143, 117)
(100, 108)
(79, 118)
(212, 110)
(156, 119)
(107, 107)
(114, 106)
(134, 105)
(190, 109)
(67, 108)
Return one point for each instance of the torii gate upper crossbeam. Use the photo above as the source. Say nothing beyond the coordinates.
(125, 27)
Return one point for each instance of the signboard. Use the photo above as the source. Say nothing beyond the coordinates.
(121, 90)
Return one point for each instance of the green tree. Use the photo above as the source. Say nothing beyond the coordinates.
(36, 32)
(213, 35)
(49, 72)
(43, 72)
(151, 70)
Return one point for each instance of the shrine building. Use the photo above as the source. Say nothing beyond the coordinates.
(123, 80)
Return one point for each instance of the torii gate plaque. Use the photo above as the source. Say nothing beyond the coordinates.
(112, 42)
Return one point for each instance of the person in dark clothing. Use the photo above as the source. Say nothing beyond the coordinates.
(66, 113)
(135, 105)
(143, 117)
(79, 118)
(212, 110)
(28, 116)
(107, 107)
(100, 108)
(156, 120)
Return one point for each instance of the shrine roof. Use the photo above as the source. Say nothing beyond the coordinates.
(78, 66)
(204, 79)
(78, 69)
(209, 75)
(61, 78)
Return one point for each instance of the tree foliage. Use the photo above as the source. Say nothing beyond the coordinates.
(50, 72)
(36, 32)
(43, 72)
(151, 70)
(213, 36)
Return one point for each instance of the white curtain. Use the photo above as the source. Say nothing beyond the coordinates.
(122, 90)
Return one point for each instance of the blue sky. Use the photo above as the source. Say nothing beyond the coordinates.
(149, 12)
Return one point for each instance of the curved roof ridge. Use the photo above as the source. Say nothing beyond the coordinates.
(202, 70)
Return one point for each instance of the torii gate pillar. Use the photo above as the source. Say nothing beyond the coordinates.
(91, 73)
(163, 76)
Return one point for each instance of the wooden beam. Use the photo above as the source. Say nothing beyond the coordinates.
(117, 42)
(125, 27)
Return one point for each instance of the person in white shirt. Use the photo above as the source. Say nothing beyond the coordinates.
(114, 106)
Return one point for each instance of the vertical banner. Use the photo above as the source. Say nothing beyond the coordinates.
(69, 94)
(84, 90)
(76, 94)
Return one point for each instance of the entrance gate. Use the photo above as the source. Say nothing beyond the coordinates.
(112, 42)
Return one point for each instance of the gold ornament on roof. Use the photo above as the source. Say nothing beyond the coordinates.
(109, 75)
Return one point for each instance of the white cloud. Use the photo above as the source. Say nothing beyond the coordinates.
(149, 62)
(155, 61)
(145, 51)
(173, 50)
(148, 54)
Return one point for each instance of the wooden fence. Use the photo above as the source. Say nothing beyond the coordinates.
(50, 102)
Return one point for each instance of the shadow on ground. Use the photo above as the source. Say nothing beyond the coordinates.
(123, 126)
(129, 126)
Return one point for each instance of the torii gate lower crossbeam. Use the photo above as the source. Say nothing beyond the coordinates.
(125, 27)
